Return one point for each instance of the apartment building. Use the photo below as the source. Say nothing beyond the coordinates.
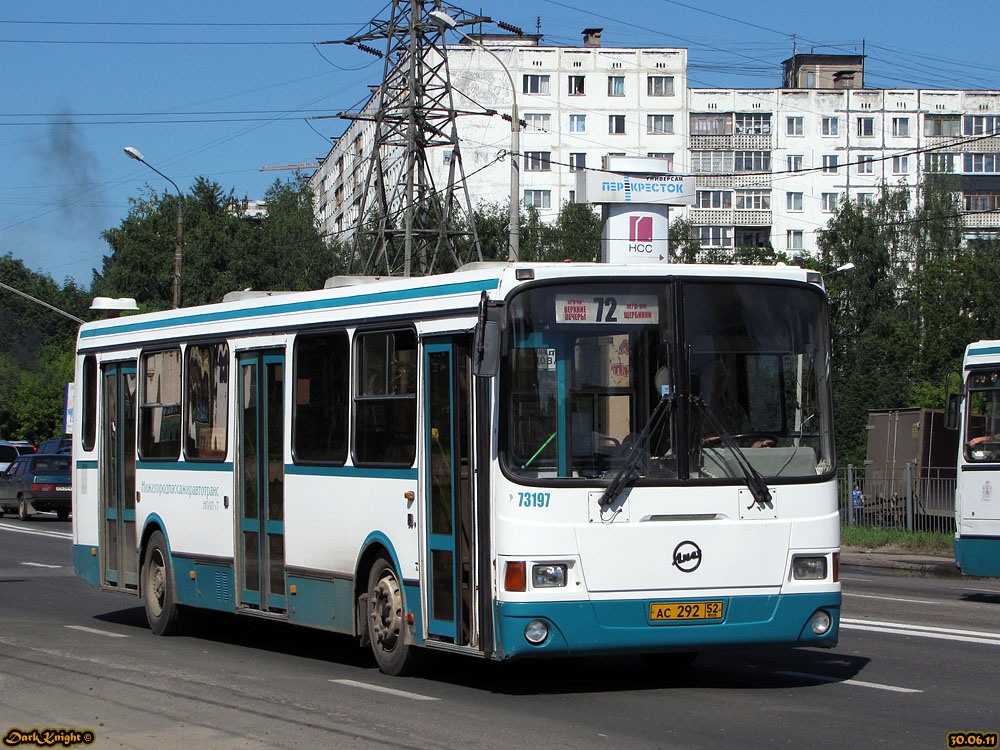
(770, 164)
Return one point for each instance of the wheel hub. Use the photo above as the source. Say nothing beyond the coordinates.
(386, 612)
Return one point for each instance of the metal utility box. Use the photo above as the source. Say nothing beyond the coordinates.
(917, 438)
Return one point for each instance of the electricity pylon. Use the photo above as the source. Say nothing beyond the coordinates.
(406, 223)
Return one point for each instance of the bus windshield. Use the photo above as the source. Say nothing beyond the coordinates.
(586, 365)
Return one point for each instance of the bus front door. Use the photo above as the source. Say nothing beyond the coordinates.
(261, 477)
(448, 492)
(119, 550)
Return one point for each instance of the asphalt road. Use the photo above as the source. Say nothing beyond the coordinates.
(918, 658)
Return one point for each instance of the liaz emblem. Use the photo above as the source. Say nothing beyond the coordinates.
(687, 557)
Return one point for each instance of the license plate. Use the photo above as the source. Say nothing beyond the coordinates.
(63, 488)
(685, 611)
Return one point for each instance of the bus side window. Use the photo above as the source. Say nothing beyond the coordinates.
(321, 397)
(89, 402)
(160, 405)
(207, 401)
(385, 409)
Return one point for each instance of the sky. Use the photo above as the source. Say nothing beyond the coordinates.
(219, 90)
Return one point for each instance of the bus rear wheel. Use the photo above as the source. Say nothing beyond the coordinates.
(385, 621)
(164, 614)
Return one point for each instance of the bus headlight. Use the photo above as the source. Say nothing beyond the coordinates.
(536, 631)
(548, 575)
(820, 622)
(809, 568)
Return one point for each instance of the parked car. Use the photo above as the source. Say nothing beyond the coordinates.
(56, 445)
(37, 483)
(8, 452)
(24, 446)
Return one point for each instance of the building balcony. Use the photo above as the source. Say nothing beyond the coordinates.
(740, 142)
(986, 220)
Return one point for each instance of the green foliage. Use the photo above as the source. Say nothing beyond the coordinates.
(36, 351)
(224, 250)
(874, 537)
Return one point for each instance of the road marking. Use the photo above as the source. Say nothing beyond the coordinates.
(890, 598)
(390, 691)
(37, 532)
(922, 631)
(85, 629)
(40, 565)
(859, 683)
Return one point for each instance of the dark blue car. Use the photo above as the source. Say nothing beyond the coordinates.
(36, 484)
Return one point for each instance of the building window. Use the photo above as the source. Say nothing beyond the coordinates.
(793, 126)
(616, 85)
(865, 199)
(712, 162)
(538, 123)
(755, 200)
(753, 124)
(538, 198)
(981, 201)
(982, 163)
(578, 123)
(793, 201)
(385, 405)
(714, 199)
(576, 85)
(866, 163)
(943, 125)
(982, 124)
(752, 161)
(935, 161)
(900, 165)
(711, 124)
(713, 236)
(659, 124)
(866, 126)
(669, 158)
(901, 127)
(795, 163)
(830, 163)
(829, 202)
(794, 239)
(536, 84)
(447, 154)
(577, 161)
(660, 85)
(537, 161)
(616, 124)
(831, 126)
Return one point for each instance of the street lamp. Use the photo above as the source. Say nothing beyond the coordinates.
(515, 148)
(134, 153)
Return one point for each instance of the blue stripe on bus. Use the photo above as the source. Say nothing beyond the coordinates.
(86, 464)
(226, 466)
(978, 556)
(351, 471)
(984, 350)
(398, 295)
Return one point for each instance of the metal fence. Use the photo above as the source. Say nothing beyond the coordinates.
(912, 498)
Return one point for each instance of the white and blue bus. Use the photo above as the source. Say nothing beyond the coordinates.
(976, 413)
(513, 460)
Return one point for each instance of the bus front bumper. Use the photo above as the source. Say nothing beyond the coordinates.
(581, 628)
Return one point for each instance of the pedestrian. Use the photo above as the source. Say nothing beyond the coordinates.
(857, 502)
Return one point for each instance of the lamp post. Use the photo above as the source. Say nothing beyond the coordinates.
(515, 147)
(133, 153)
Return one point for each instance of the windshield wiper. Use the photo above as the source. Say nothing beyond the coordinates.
(755, 482)
(628, 473)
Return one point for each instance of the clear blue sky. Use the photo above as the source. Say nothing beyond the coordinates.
(220, 89)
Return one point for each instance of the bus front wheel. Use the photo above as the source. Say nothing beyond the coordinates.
(385, 621)
(164, 614)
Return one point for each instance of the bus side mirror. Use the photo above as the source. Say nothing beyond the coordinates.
(951, 403)
(486, 346)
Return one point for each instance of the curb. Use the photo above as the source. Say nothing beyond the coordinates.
(939, 568)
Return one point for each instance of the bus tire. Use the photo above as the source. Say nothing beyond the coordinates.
(164, 614)
(386, 628)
